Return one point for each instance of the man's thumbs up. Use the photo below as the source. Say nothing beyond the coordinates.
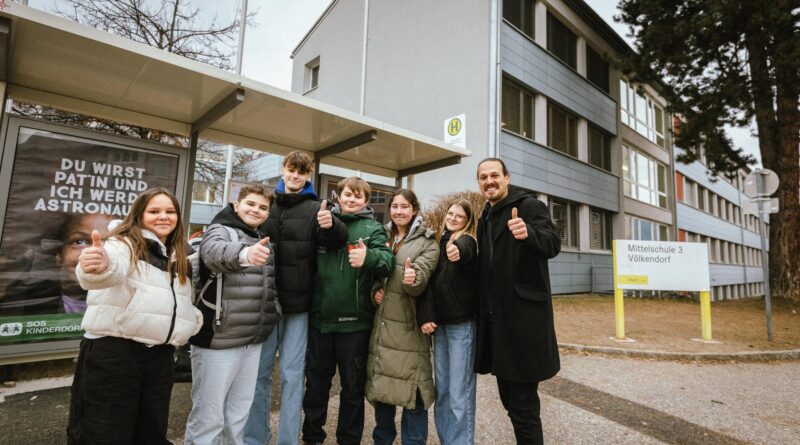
(409, 273)
(96, 241)
(517, 226)
(358, 254)
(452, 251)
(324, 216)
(258, 253)
(94, 259)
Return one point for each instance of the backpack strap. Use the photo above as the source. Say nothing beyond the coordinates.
(217, 306)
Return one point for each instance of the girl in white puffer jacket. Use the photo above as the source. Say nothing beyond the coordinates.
(139, 309)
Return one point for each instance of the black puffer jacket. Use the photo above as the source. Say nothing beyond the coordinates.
(293, 230)
(453, 291)
(249, 298)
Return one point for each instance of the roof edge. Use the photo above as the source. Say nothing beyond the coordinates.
(313, 28)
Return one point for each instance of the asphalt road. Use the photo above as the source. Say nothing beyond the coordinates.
(594, 400)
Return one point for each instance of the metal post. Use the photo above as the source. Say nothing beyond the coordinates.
(705, 314)
(619, 300)
(226, 188)
(764, 264)
(242, 28)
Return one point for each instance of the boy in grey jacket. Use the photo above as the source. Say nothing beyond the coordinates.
(226, 351)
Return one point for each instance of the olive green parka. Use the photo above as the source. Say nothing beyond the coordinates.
(399, 353)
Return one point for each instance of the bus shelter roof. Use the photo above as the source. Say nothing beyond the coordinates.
(62, 64)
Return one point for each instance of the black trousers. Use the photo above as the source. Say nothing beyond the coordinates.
(121, 393)
(326, 352)
(521, 400)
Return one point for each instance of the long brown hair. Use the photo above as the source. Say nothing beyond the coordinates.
(470, 227)
(131, 228)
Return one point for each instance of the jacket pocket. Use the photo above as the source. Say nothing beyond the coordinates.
(530, 293)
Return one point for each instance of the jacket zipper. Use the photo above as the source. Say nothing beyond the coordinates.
(174, 309)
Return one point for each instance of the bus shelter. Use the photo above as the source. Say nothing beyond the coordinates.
(57, 179)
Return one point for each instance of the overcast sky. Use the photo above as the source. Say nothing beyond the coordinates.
(280, 24)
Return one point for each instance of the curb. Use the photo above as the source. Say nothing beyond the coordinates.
(750, 356)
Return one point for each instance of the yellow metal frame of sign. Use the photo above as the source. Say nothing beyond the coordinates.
(619, 303)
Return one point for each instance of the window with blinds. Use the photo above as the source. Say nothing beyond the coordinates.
(562, 130)
(596, 69)
(565, 217)
(520, 14)
(599, 148)
(562, 42)
(599, 229)
(517, 112)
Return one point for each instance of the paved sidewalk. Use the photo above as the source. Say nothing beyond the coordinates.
(594, 400)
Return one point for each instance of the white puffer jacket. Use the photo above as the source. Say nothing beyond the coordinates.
(139, 303)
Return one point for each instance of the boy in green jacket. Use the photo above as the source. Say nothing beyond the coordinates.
(341, 316)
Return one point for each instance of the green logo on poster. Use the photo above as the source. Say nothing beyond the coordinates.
(454, 127)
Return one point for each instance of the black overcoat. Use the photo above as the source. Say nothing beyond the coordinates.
(516, 339)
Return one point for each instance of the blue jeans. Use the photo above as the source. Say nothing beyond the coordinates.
(290, 337)
(454, 354)
(413, 424)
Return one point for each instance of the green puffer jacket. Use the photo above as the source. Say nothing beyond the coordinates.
(399, 353)
(342, 301)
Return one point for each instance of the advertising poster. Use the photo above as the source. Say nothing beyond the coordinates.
(62, 187)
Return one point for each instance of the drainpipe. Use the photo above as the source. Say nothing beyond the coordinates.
(493, 133)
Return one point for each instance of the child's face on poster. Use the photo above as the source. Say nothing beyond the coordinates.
(78, 237)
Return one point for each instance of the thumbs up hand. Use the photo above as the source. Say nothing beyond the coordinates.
(358, 254)
(517, 226)
(452, 251)
(409, 273)
(94, 259)
(324, 216)
(258, 254)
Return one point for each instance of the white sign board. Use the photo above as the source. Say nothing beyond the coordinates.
(769, 186)
(455, 130)
(658, 265)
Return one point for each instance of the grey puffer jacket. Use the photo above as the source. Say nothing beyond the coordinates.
(249, 297)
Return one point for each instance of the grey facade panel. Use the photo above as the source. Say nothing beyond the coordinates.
(577, 272)
(547, 171)
(203, 213)
(541, 71)
(755, 274)
(722, 274)
(697, 172)
(700, 222)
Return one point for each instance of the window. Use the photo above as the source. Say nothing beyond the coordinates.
(596, 69)
(701, 198)
(312, 74)
(641, 113)
(689, 187)
(562, 131)
(565, 218)
(206, 192)
(645, 179)
(599, 229)
(561, 41)
(520, 14)
(517, 113)
(644, 230)
(599, 148)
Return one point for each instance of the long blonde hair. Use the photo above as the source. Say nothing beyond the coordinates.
(131, 228)
(469, 228)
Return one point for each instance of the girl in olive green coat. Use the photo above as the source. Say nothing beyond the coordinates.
(399, 371)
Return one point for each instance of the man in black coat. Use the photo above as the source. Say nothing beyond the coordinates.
(516, 339)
